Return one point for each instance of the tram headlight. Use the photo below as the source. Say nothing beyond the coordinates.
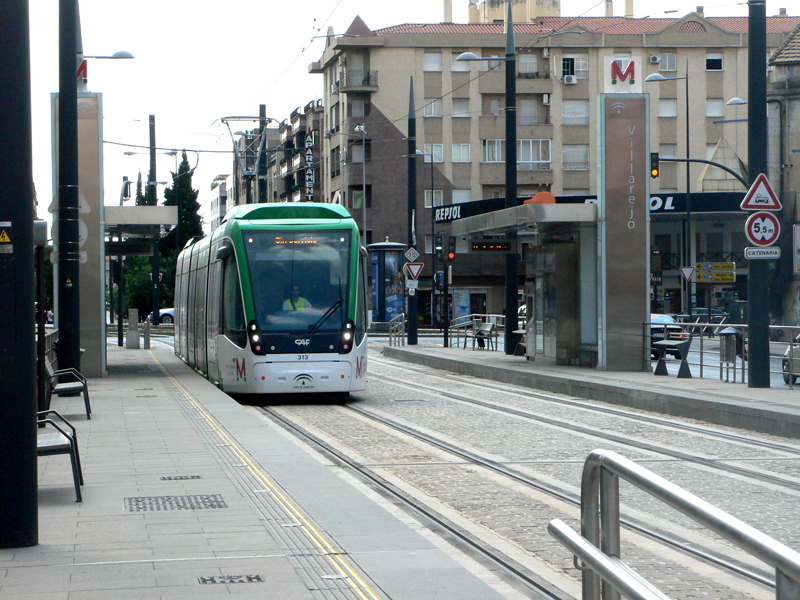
(256, 342)
(347, 338)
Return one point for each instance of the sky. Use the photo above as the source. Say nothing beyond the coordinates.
(199, 60)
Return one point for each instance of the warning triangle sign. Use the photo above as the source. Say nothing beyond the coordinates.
(4, 239)
(760, 196)
(687, 273)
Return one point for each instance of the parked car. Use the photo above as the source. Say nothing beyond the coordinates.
(791, 363)
(165, 316)
(664, 327)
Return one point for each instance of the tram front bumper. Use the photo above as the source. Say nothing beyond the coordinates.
(305, 377)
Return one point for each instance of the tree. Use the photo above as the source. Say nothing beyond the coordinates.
(184, 197)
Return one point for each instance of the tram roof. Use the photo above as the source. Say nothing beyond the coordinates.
(289, 211)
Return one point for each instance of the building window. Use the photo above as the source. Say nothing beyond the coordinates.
(493, 151)
(459, 65)
(668, 107)
(533, 155)
(575, 64)
(576, 157)
(715, 107)
(358, 107)
(527, 110)
(433, 107)
(357, 152)
(528, 63)
(433, 61)
(669, 62)
(494, 108)
(668, 151)
(461, 153)
(491, 65)
(575, 112)
(460, 107)
(335, 162)
(438, 198)
(461, 196)
(357, 197)
(576, 192)
(435, 150)
(713, 62)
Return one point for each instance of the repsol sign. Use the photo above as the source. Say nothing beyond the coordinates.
(448, 213)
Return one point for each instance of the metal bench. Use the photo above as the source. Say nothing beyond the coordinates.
(482, 333)
(67, 388)
(52, 438)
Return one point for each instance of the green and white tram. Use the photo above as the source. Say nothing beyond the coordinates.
(274, 301)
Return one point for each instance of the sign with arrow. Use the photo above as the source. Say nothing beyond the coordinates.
(760, 196)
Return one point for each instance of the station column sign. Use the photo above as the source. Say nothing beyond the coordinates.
(624, 230)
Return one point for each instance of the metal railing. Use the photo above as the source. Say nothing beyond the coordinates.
(706, 354)
(397, 330)
(598, 546)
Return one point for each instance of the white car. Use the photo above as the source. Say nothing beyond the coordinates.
(165, 316)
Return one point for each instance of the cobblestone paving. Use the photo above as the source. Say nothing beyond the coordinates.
(557, 455)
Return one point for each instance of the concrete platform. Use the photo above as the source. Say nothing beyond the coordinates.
(769, 410)
(188, 494)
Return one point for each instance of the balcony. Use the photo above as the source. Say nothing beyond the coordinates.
(533, 166)
(359, 81)
(574, 121)
(576, 166)
(543, 120)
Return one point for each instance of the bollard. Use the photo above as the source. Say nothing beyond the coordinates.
(132, 339)
(146, 331)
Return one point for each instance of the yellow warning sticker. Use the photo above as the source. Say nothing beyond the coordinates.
(4, 239)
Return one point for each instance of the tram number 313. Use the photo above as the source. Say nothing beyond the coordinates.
(302, 357)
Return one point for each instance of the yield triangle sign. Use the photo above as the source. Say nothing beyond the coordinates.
(414, 269)
(687, 273)
(760, 196)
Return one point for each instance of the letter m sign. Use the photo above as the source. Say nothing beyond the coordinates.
(617, 74)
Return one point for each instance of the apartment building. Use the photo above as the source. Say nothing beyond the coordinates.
(562, 64)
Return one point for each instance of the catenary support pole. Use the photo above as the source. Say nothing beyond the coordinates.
(154, 201)
(69, 314)
(511, 320)
(413, 301)
(18, 486)
(757, 280)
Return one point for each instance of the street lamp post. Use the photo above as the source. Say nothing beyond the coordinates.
(360, 129)
(433, 241)
(687, 243)
(511, 272)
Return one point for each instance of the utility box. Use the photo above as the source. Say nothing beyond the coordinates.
(132, 339)
(731, 344)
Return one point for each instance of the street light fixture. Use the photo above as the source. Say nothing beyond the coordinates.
(687, 243)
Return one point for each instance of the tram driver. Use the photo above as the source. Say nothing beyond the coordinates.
(296, 301)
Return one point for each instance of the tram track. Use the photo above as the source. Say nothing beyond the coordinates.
(712, 463)
(513, 570)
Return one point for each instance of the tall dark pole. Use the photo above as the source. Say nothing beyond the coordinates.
(153, 187)
(433, 249)
(18, 492)
(121, 299)
(688, 236)
(757, 286)
(262, 163)
(512, 321)
(69, 316)
(413, 301)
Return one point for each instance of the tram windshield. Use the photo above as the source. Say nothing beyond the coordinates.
(299, 280)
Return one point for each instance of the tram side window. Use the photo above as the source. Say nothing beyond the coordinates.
(233, 325)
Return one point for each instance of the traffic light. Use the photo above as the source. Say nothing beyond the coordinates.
(437, 247)
(451, 248)
(654, 164)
